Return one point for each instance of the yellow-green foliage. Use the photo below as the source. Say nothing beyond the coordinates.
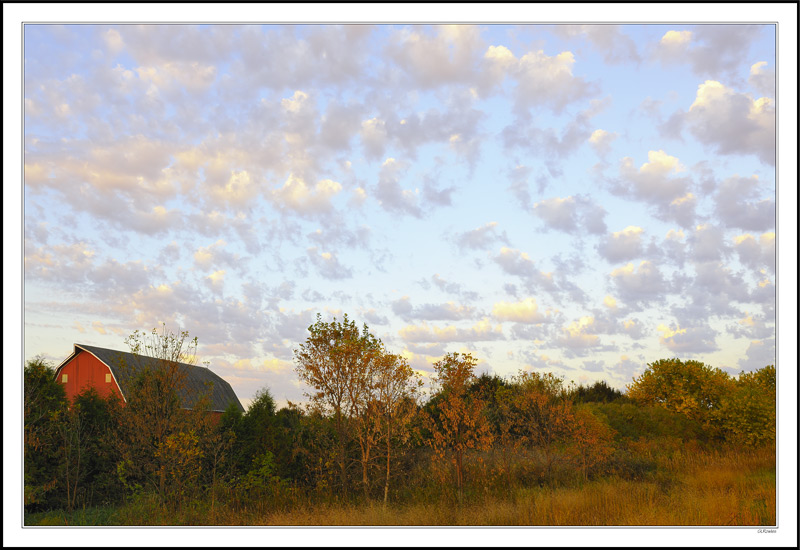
(690, 388)
(748, 411)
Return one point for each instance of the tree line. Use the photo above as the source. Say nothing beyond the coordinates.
(368, 432)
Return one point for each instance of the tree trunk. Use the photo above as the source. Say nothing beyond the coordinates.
(77, 476)
(162, 475)
(342, 452)
(388, 466)
(460, 475)
(364, 471)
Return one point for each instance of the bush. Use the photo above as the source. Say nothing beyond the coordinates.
(632, 422)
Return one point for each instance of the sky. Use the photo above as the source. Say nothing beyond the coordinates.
(570, 198)
(575, 199)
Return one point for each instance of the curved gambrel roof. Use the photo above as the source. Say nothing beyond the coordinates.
(199, 381)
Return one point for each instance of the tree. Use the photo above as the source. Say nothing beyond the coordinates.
(99, 416)
(44, 401)
(457, 422)
(599, 392)
(255, 430)
(537, 413)
(336, 362)
(689, 388)
(72, 432)
(155, 432)
(393, 406)
(590, 441)
(748, 410)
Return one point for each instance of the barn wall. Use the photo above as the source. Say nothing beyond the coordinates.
(86, 370)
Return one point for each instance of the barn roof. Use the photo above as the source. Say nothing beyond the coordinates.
(126, 366)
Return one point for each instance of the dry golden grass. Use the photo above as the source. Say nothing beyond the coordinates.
(698, 489)
(732, 488)
(598, 503)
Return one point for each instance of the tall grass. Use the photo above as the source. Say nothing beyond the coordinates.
(685, 488)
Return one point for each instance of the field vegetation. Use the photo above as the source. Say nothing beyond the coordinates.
(685, 444)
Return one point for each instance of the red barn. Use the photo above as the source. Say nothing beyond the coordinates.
(110, 371)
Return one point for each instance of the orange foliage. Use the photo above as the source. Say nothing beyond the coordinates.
(457, 423)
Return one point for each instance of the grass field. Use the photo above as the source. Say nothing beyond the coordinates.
(731, 488)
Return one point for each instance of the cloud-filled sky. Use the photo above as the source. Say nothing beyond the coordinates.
(579, 199)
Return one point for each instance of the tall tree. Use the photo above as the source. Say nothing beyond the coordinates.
(457, 421)
(157, 436)
(689, 387)
(748, 411)
(98, 416)
(44, 402)
(392, 407)
(336, 361)
(537, 413)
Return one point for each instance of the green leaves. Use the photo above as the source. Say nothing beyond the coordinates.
(44, 405)
(741, 410)
(748, 410)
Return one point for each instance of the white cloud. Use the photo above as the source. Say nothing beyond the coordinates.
(437, 56)
(601, 140)
(762, 79)
(449, 311)
(297, 104)
(745, 203)
(707, 243)
(481, 237)
(543, 79)
(711, 50)
(391, 195)
(615, 46)
(297, 195)
(113, 41)
(683, 210)
(643, 284)
(60, 262)
(676, 39)
(571, 214)
(756, 253)
(651, 181)
(515, 262)
(577, 336)
(374, 137)
(752, 326)
(328, 265)
(622, 245)
(759, 354)
(732, 122)
(634, 328)
(216, 279)
(213, 255)
(553, 144)
(238, 191)
(557, 213)
(338, 125)
(687, 340)
(526, 311)
(659, 182)
(481, 331)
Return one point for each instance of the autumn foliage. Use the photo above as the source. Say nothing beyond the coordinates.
(369, 432)
(456, 421)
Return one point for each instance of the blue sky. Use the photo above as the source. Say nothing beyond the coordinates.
(581, 199)
(575, 199)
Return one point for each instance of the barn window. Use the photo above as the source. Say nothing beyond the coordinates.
(63, 378)
(108, 377)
